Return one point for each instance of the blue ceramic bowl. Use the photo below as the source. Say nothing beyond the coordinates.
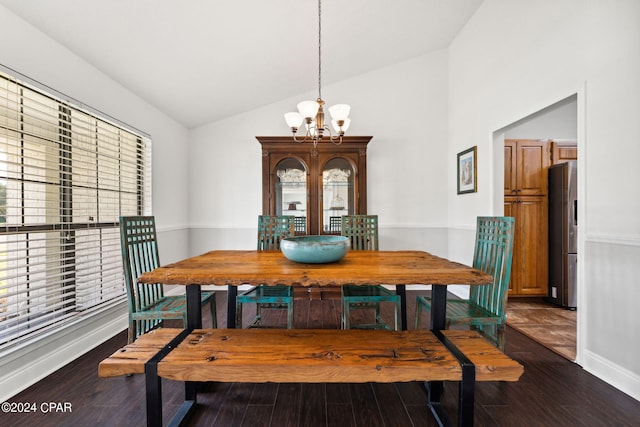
(315, 249)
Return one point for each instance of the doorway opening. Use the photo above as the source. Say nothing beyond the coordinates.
(523, 152)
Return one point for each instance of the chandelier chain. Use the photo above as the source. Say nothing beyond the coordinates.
(308, 111)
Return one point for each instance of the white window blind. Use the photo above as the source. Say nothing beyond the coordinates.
(66, 175)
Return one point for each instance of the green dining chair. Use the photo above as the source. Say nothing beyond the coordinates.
(271, 230)
(148, 305)
(485, 310)
(301, 225)
(362, 231)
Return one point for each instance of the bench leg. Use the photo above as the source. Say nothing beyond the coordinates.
(154, 401)
(466, 390)
(153, 386)
(466, 394)
(153, 390)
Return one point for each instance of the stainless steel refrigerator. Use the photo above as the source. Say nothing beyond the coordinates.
(563, 225)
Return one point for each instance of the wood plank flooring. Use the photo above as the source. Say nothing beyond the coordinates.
(548, 324)
(551, 392)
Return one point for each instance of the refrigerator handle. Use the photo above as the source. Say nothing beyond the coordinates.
(575, 212)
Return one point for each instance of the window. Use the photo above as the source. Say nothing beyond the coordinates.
(66, 175)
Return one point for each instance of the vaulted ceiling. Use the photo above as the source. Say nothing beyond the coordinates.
(203, 60)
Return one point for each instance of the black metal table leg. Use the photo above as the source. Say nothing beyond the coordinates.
(434, 394)
(232, 293)
(402, 291)
(194, 307)
(438, 307)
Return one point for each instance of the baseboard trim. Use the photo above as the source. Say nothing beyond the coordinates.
(28, 365)
(611, 373)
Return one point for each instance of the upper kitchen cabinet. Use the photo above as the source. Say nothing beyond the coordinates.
(563, 151)
(525, 163)
(317, 185)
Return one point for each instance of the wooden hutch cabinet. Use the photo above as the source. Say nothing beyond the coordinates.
(317, 185)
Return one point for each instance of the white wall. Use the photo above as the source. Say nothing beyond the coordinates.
(403, 106)
(515, 58)
(558, 122)
(28, 51)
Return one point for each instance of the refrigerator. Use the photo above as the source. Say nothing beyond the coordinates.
(563, 225)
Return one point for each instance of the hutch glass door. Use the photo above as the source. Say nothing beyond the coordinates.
(338, 194)
(291, 194)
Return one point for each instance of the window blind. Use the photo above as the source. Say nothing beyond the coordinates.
(66, 175)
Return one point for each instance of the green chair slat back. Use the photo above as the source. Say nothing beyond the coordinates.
(271, 230)
(335, 223)
(148, 306)
(362, 231)
(301, 224)
(493, 255)
(486, 307)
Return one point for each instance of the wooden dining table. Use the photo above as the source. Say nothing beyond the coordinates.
(234, 268)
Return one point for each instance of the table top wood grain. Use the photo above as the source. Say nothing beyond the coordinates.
(252, 267)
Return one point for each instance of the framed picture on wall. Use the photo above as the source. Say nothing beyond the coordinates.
(467, 168)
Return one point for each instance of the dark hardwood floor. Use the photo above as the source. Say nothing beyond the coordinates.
(551, 392)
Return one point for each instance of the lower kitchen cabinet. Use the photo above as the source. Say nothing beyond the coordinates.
(529, 273)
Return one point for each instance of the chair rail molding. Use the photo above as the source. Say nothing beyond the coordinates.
(613, 239)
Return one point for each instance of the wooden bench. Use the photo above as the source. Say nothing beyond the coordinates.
(312, 356)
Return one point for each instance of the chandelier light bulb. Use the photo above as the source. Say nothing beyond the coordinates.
(308, 109)
(339, 111)
(341, 126)
(293, 119)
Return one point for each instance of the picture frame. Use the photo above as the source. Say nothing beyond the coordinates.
(468, 171)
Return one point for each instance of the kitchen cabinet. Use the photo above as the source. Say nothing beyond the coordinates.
(526, 163)
(317, 185)
(563, 151)
(529, 267)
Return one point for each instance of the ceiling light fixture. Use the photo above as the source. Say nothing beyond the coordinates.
(312, 112)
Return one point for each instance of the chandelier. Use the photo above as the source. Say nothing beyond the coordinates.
(312, 112)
